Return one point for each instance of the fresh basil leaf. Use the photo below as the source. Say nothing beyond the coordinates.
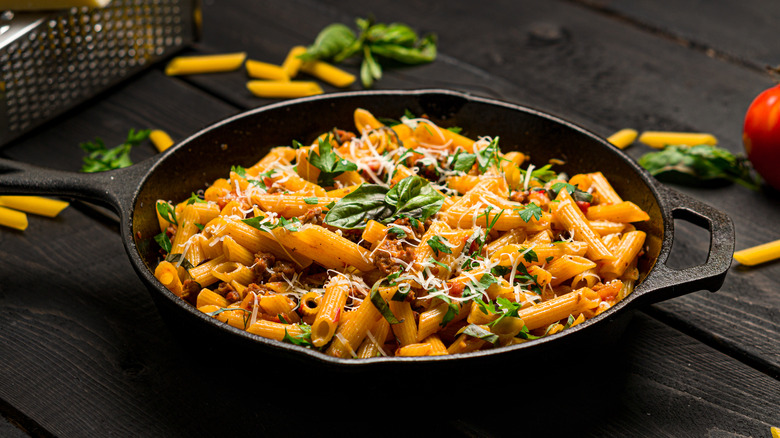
(167, 212)
(394, 33)
(529, 211)
(370, 70)
(529, 255)
(331, 41)
(463, 162)
(382, 306)
(421, 53)
(413, 196)
(329, 163)
(355, 209)
(576, 194)
(438, 246)
(164, 241)
(525, 334)
(303, 339)
(478, 332)
(700, 164)
(312, 200)
(399, 233)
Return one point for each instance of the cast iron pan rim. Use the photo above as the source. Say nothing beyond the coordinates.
(150, 279)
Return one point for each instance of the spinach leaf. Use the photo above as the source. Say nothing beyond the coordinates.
(699, 164)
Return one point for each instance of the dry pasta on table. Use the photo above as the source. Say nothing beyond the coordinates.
(400, 239)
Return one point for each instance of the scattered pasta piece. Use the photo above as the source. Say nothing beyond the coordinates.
(160, 139)
(34, 204)
(623, 138)
(758, 254)
(775, 432)
(13, 218)
(264, 70)
(292, 63)
(190, 65)
(661, 139)
(283, 89)
(328, 73)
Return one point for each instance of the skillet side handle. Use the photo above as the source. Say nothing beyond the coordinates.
(664, 282)
(113, 189)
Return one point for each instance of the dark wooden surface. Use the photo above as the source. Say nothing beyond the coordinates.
(84, 352)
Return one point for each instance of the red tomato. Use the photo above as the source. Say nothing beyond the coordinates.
(761, 135)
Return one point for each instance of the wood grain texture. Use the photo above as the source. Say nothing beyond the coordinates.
(741, 31)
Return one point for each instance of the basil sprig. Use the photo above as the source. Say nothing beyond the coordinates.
(412, 197)
(374, 42)
(700, 164)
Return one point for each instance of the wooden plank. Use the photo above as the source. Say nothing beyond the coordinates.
(743, 31)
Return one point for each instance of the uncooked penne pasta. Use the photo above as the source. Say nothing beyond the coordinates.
(34, 204)
(190, 65)
(283, 89)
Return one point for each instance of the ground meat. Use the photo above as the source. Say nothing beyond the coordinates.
(282, 270)
(517, 196)
(389, 250)
(342, 136)
(418, 230)
(227, 291)
(314, 216)
(190, 290)
(268, 268)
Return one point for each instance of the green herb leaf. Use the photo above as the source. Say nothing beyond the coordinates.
(303, 339)
(529, 211)
(413, 196)
(381, 305)
(355, 209)
(329, 164)
(529, 255)
(463, 162)
(167, 212)
(438, 246)
(576, 194)
(179, 260)
(489, 156)
(99, 158)
(700, 164)
(311, 201)
(399, 233)
(164, 241)
(331, 41)
(480, 333)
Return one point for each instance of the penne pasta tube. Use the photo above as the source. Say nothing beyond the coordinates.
(283, 89)
(558, 308)
(373, 345)
(264, 70)
(292, 63)
(336, 291)
(160, 139)
(328, 73)
(567, 267)
(189, 65)
(627, 250)
(624, 212)
(290, 205)
(325, 247)
(13, 218)
(207, 297)
(661, 139)
(421, 349)
(275, 330)
(406, 330)
(758, 254)
(572, 218)
(623, 138)
(34, 204)
(602, 187)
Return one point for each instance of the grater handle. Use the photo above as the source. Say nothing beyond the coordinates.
(113, 189)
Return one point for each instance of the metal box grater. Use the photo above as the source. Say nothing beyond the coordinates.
(50, 62)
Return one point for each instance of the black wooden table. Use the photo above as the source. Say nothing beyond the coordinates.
(83, 351)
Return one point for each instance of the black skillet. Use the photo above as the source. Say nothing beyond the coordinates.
(244, 138)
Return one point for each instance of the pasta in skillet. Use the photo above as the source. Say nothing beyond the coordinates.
(402, 239)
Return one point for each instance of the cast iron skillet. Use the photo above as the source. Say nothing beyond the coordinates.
(244, 138)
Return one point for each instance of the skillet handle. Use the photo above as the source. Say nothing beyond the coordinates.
(664, 282)
(113, 189)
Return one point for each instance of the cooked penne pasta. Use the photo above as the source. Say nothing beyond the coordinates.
(403, 239)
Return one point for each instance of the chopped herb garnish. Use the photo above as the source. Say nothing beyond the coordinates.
(438, 246)
(164, 241)
(530, 211)
(311, 201)
(329, 163)
(99, 158)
